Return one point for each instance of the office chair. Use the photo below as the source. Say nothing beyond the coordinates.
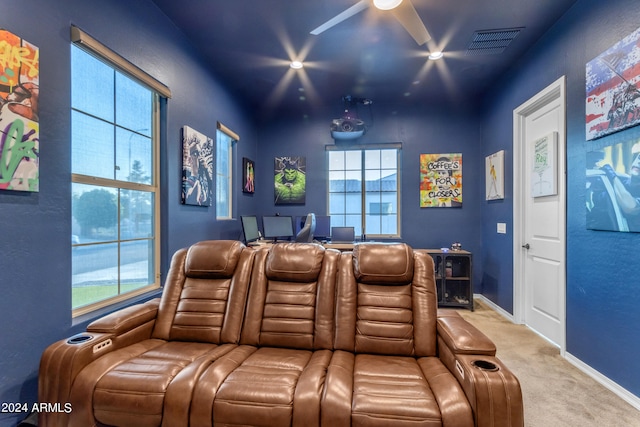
(306, 233)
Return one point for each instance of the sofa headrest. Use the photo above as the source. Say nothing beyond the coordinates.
(294, 262)
(213, 259)
(383, 264)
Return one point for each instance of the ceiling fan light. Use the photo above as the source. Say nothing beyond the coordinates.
(436, 55)
(386, 4)
(296, 65)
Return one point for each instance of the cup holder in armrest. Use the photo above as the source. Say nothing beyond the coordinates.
(485, 365)
(80, 338)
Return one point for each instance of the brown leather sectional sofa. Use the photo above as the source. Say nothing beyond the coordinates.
(290, 335)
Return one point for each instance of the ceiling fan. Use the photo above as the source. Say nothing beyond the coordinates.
(403, 10)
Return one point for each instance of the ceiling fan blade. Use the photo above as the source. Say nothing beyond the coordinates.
(356, 8)
(410, 20)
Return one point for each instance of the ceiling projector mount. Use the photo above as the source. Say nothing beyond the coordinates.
(349, 126)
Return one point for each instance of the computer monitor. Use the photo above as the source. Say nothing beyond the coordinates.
(277, 227)
(250, 228)
(323, 227)
(343, 234)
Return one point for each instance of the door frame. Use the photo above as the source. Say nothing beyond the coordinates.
(553, 92)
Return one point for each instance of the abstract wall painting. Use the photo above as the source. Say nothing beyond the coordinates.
(494, 178)
(440, 180)
(248, 175)
(612, 94)
(197, 168)
(19, 115)
(290, 186)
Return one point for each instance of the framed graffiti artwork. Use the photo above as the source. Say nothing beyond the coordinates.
(290, 186)
(441, 180)
(612, 94)
(197, 168)
(248, 175)
(19, 115)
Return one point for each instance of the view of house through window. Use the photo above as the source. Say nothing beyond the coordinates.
(114, 184)
(363, 190)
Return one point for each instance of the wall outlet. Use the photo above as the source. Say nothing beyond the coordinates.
(502, 228)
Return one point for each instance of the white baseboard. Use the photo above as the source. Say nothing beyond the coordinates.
(614, 387)
(495, 307)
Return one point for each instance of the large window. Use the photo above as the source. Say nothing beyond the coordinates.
(115, 206)
(363, 189)
(224, 174)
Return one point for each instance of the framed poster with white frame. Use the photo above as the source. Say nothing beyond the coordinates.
(494, 178)
(544, 179)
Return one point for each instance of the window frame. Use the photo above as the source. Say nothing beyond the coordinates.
(90, 46)
(363, 148)
(231, 137)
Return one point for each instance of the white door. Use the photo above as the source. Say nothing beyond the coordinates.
(539, 213)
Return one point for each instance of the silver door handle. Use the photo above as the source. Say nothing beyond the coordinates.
(526, 246)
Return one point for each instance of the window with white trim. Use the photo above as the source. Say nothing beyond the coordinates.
(364, 189)
(224, 173)
(115, 182)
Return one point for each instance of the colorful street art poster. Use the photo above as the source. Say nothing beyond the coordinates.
(440, 180)
(197, 168)
(248, 175)
(613, 98)
(613, 187)
(290, 180)
(19, 123)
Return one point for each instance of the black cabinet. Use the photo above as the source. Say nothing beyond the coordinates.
(454, 277)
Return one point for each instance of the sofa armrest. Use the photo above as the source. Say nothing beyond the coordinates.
(59, 366)
(62, 361)
(127, 319)
(461, 337)
(491, 388)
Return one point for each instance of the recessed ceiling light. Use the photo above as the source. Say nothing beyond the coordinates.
(436, 55)
(296, 65)
(386, 4)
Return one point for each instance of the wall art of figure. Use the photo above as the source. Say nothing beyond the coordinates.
(248, 175)
(290, 180)
(197, 168)
(612, 88)
(613, 187)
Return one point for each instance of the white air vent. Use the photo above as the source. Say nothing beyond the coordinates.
(491, 42)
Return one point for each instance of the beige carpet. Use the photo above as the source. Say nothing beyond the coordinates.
(555, 392)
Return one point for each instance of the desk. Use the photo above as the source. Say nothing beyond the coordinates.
(339, 246)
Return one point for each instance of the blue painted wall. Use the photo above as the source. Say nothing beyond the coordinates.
(603, 324)
(35, 266)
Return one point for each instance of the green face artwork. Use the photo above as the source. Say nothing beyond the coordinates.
(290, 184)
